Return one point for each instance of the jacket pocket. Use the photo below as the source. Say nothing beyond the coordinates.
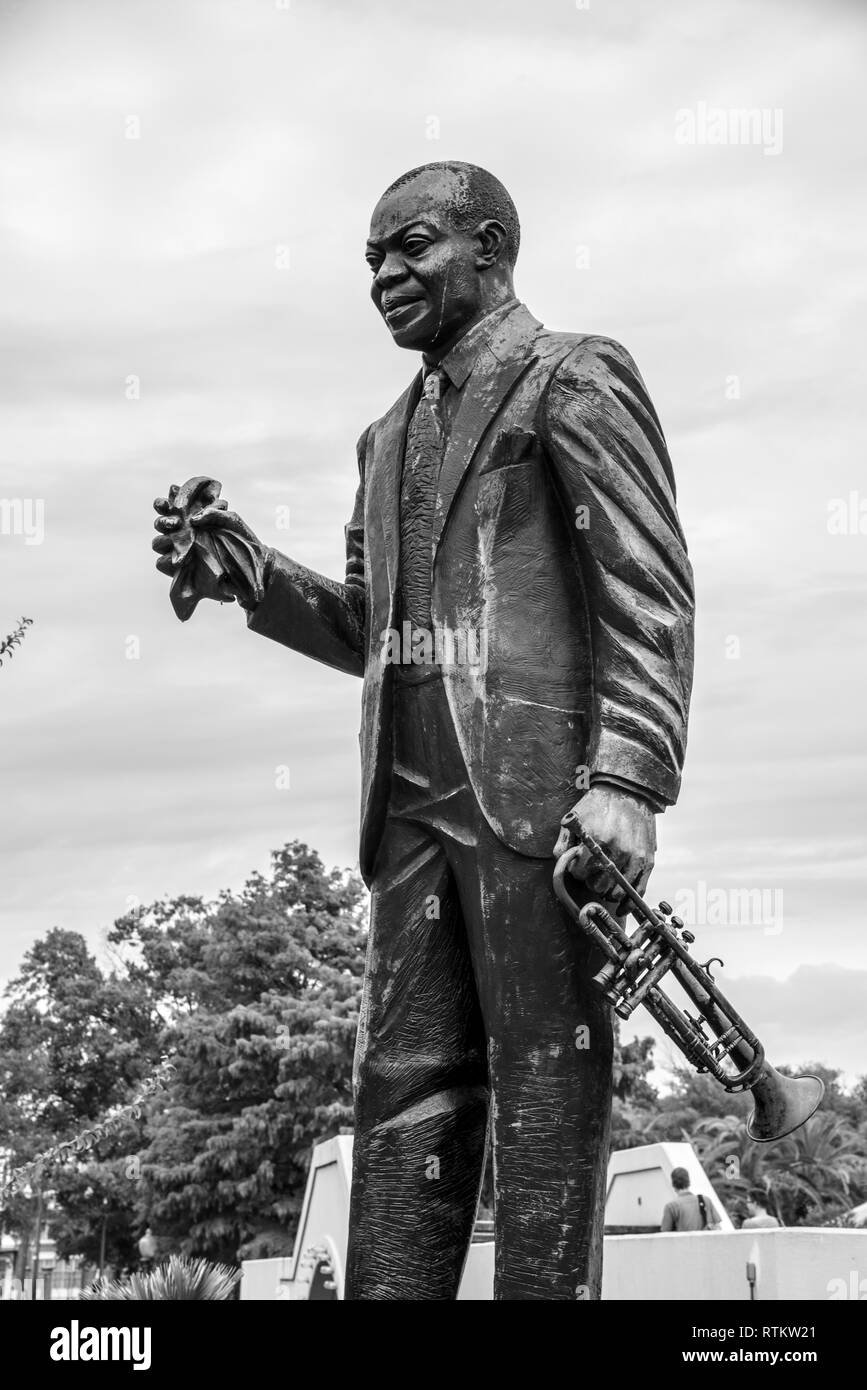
(510, 449)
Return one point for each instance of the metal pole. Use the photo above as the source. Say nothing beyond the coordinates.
(102, 1244)
(36, 1246)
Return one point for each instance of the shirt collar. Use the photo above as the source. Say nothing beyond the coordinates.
(459, 362)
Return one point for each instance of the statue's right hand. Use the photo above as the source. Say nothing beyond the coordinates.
(208, 551)
(168, 523)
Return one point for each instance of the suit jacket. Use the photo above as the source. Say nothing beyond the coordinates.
(556, 536)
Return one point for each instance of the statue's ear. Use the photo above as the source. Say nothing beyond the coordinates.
(491, 235)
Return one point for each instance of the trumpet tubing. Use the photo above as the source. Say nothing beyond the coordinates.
(715, 1039)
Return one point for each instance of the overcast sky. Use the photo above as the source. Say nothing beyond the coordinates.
(733, 272)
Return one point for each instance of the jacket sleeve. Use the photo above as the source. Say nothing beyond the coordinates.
(612, 469)
(319, 617)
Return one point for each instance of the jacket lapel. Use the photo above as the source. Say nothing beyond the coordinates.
(500, 365)
(388, 451)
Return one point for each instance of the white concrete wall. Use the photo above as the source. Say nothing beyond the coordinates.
(807, 1263)
(261, 1279)
(322, 1229)
(812, 1263)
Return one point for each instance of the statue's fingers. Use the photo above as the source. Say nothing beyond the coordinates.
(618, 903)
(161, 543)
(579, 865)
(218, 516)
(564, 841)
(616, 894)
(642, 877)
(636, 870)
(165, 524)
(161, 504)
(211, 515)
(165, 564)
(603, 884)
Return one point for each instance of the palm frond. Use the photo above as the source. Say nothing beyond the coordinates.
(179, 1279)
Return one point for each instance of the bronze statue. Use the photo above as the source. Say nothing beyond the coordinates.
(518, 601)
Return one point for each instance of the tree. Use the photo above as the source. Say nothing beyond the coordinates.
(809, 1175)
(73, 1042)
(258, 994)
(850, 1105)
(261, 993)
(826, 1158)
(635, 1099)
(633, 1063)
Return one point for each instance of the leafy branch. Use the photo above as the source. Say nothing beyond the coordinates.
(87, 1139)
(15, 638)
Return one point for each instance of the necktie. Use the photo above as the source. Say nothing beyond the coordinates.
(433, 385)
(421, 467)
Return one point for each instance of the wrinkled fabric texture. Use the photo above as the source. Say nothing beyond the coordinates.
(556, 536)
(422, 461)
(476, 991)
(208, 561)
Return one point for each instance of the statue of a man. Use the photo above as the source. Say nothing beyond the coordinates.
(518, 601)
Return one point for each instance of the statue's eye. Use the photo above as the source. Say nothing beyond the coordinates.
(415, 245)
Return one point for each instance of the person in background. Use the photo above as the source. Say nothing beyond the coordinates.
(688, 1212)
(757, 1207)
(147, 1249)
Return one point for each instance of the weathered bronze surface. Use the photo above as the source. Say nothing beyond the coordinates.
(518, 601)
(715, 1039)
(204, 559)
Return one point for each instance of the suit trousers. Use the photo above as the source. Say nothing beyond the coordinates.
(476, 1005)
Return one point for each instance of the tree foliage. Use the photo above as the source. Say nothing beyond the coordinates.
(12, 640)
(810, 1177)
(178, 1279)
(257, 994)
(261, 993)
(73, 1043)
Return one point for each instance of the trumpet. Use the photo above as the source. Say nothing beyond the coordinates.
(716, 1039)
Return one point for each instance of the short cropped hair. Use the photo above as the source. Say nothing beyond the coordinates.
(679, 1179)
(481, 196)
(758, 1197)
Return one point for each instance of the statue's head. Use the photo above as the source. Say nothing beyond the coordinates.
(443, 243)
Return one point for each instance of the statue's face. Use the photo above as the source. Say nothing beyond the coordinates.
(426, 282)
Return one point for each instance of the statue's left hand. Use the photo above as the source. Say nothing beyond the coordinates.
(625, 826)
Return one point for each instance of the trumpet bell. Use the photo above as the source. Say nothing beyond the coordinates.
(783, 1103)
